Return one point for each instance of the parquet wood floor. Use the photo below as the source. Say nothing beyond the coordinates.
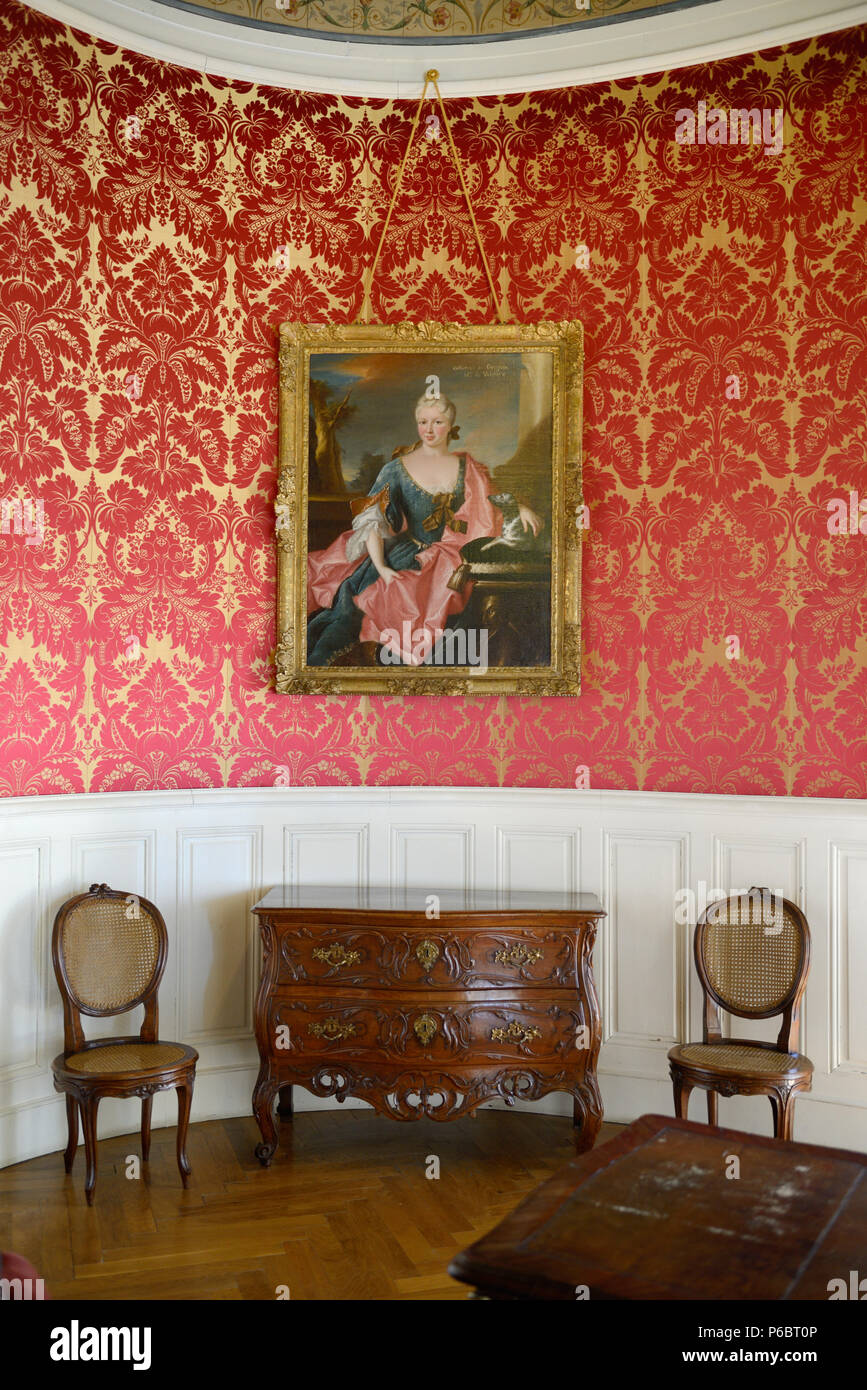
(344, 1212)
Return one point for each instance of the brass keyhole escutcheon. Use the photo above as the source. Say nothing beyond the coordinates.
(428, 953)
(425, 1028)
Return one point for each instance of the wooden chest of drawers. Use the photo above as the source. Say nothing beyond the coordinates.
(430, 1008)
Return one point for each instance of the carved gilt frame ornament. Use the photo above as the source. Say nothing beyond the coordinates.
(562, 343)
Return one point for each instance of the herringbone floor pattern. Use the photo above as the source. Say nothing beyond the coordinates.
(344, 1212)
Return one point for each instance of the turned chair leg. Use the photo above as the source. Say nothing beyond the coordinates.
(783, 1107)
(146, 1108)
(682, 1091)
(185, 1100)
(89, 1108)
(72, 1132)
(711, 1107)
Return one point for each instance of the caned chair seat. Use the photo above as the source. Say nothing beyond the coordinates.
(741, 1057)
(127, 1057)
(109, 953)
(752, 954)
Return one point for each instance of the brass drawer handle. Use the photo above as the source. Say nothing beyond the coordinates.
(332, 1030)
(336, 955)
(516, 1032)
(518, 955)
(424, 1028)
(428, 953)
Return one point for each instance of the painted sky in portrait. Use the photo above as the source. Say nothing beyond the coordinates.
(386, 386)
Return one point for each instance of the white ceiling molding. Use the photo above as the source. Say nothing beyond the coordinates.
(557, 58)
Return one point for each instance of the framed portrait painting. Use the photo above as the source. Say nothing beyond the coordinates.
(429, 509)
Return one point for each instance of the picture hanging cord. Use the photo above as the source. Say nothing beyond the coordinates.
(430, 77)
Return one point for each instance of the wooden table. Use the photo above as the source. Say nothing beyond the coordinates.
(427, 1002)
(652, 1215)
(511, 600)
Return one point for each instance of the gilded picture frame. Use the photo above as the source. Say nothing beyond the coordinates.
(482, 593)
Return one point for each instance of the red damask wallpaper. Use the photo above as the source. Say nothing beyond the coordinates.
(724, 297)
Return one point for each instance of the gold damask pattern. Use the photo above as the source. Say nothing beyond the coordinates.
(158, 225)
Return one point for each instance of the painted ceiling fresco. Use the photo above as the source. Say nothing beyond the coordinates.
(427, 20)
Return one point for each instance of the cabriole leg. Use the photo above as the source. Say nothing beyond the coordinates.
(185, 1101)
(72, 1132)
(263, 1109)
(146, 1108)
(89, 1108)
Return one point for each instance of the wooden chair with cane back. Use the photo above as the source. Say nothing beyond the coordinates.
(109, 952)
(752, 954)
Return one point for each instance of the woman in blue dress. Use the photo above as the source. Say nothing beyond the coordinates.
(390, 574)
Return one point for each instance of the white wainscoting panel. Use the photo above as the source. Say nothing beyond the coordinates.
(644, 871)
(427, 857)
(219, 882)
(781, 866)
(848, 1022)
(337, 855)
(545, 858)
(24, 958)
(205, 857)
(132, 859)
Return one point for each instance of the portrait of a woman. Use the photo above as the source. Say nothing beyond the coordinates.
(389, 574)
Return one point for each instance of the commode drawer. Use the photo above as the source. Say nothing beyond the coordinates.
(421, 958)
(491, 1029)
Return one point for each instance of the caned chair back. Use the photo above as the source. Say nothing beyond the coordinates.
(109, 951)
(752, 952)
